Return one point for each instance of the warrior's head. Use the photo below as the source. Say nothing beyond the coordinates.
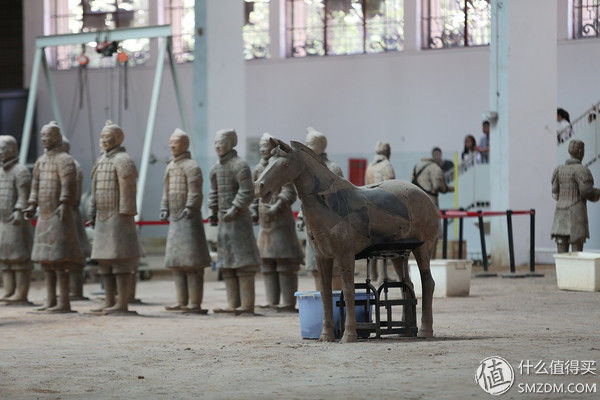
(66, 145)
(8, 147)
(316, 141)
(51, 136)
(265, 146)
(225, 141)
(111, 136)
(179, 142)
(383, 149)
(576, 149)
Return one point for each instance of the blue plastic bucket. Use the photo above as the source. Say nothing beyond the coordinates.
(310, 307)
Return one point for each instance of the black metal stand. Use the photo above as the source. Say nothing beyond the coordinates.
(485, 273)
(380, 297)
(511, 249)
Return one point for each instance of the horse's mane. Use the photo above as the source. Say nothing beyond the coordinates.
(300, 147)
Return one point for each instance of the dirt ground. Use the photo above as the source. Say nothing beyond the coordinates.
(159, 355)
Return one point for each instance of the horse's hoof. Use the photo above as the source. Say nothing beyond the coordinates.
(425, 333)
(349, 337)
(327, 337)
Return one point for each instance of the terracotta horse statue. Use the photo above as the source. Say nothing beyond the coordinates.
(343, 220)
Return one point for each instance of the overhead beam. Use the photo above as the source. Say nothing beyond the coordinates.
(144, 32)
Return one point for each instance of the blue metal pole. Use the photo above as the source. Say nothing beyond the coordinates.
(178, 94)
(160, 65)
(31, 98)
(52, 93)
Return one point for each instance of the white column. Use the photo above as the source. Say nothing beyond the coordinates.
(277, 28)
(412, 35)
(523, 89)
(564, 19)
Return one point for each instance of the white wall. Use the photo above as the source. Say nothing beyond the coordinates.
(415, 99)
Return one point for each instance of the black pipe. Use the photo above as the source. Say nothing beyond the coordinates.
(511, 248)
(532, 241)
(482, 237)
(445, 237)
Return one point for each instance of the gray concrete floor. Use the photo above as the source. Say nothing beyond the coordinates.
(159, 355)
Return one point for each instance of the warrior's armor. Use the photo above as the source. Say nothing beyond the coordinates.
(55, 183)
(231, 185)
(380, 170)
(186, 241)
(112, 205)
(15, 238)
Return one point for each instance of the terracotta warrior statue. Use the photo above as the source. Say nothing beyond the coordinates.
(187, 252)
(572, 188)
(317, 142)
(231, 193)
(15, 233)
(55, 245)
(380, 170)
(277, 240)
(112, 211)
(76, 274)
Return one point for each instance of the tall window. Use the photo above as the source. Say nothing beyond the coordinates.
(586, 18)
(74, 16)
(180, 14)
(257, 41)
(455, 23)
(335, 27)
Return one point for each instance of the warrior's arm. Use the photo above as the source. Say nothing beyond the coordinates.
(245, 193)
(164, 203)
(194, 181)
(79, 185)
(67, 172)
(127, 179)
(555, 185)
(23, 186)
(255, 202)
(35, 185)
(92, 200)
(585, 182)
(213, 195)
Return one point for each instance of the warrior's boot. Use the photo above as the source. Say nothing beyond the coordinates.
(110, 290)
(8, 278)
(195, 282)
(76, 284)
(50, 280)
(181, 288)
(577, 246)
(23, 277)
(246, 294)
(288, 282)
(232, 287)
(63, 305)
(271, 280)
(123, 289)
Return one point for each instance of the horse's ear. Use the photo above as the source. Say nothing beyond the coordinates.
(284, 146)
(273, 142)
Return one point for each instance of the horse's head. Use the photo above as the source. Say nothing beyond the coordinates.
(284, 166)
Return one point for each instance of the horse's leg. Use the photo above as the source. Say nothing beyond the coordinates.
(347, 265)
(423, 256)
(325, 266)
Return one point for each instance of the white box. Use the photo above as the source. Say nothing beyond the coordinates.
(578, 271)
(452, 277)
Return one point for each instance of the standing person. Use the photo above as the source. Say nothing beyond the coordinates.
(56, 245)
(380, 170)
(112, 211)
(277, 240)
(572, 188)
(428, 176)
(16, 235)
(470, 150)
(231, 193)
(564, 129)
(484, 142)
(187, 253)
(317, 142)
(445, 165)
